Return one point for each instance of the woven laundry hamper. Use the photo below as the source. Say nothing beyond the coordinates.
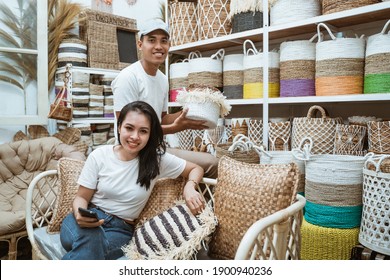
(72, 51)
(178, 78)
(255, 131)
(323, 243)
(233, 76)
(285, 11)
(298, 68)
(253, 72)
(206, 71)
(204, 103)
(183, 22)
(246, 15)
(339, 65)
(379, 137)
(333, 188)
(333, 6)
(377, 64)
(375, 225)
(321, 130)
(349, 139)
(213, 18)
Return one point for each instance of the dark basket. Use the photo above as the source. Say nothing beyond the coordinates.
(247, 21)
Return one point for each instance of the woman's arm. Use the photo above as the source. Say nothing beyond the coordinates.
(83, 197)
(192, 197)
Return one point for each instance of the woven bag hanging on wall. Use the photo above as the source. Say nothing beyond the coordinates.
(377, 64)
(183, 22)
(178, 78)
(246, 15)
(339, 64)
(233, 76)
(321, 130)
(333, 6)
(285, 11)
(213, 18)
(297, 68)
(253, 72)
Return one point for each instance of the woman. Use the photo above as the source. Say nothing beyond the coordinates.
(116, 182)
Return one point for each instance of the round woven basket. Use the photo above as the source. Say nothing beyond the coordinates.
(241, 149)
(339, 65)
(284, 11)
(377, 63)
(279, 136)
(183, 22)
(233, 76)
(178, 78)
(213, 18)
(297, 68)
(72, 51)
(333, 6)
(379, 137)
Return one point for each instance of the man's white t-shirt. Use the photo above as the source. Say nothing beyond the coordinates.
(115, 181)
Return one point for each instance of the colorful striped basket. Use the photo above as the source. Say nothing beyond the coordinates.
(377, 65)
(285, 11)
(233, 76)
(72, 51)
(178, 78)
(253, 72)
(297, 68)
(339, 65)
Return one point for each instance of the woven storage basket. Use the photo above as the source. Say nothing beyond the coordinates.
(183, 22)
(333, 189)
(246, 15)
(320, 130)
(228, 130)
(206, 71)
(233, 76)
(375, 225)
(186, 139)
(178, 78)
(240, 149)
(297, 68)
(339, 65)
(213, 18)
(72, 51)
(359, 252)
(285, 11)
(240, 126)
(255, 131)
(279, 136)
(333, 6)
(377, 63)
(349, 139)
(322, 243)
(379, 137)
(253, 72)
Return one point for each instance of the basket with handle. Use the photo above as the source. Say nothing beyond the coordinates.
(321, 130)
(375, 224)
(178, 77)
(233, 76)
(377, 63)
(240, 149)
(285, 11)
(339, 64)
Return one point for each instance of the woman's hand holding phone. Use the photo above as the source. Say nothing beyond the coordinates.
(88, 218)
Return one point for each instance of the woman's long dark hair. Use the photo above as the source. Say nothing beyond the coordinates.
(150, 155)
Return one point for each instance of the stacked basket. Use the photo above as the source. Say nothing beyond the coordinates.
(74, 51)
(178, 78)
(233, 76)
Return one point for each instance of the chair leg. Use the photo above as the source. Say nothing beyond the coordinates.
(13, 240)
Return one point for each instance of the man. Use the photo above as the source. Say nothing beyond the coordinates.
(143, 81)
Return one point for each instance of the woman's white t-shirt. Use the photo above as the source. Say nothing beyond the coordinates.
(115, 181)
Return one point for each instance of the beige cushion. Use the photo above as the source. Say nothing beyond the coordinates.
(244, 194)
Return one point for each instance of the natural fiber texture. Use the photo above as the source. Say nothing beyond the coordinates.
(183, 22)
(37, 131)
(297, 69)
(379, 137)
(60, 109)
(320, 130)
(349, 139)
(69, 136)
(20, 135)
(279, 136)
(375, 225)
(244, 194)
(333, 6)
(242, 6)
(74, 51)
(255, 90)
(213, 18)
(247, 21)
(164, 195)
(255, 131)
(359, 252)
(322, 243)
(239, 126)
(250, 156)
(175, 234)
(285, 11)
(206, 78)
(68, 172)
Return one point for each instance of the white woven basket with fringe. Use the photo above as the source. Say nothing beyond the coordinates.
(284, 11)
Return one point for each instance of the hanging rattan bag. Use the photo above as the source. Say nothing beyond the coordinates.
(321, 130)
(61, 108)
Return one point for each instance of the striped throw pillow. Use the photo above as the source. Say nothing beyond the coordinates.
(175, 234)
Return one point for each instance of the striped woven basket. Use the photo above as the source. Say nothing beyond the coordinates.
(183, 22)
(178, 78)
(253, 72)
(213, 18)
(339, 65)
(297, 68)
(333, 6)
(284, 11)
(233, 76)
(72, 51)
(377, 64)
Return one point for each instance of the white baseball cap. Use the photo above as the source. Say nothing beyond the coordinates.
(152, 25)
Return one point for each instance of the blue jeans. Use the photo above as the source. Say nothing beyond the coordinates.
(99, 243)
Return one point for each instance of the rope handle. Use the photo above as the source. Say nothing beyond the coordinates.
(195, 54)
(240, 145)
(240, 137)
(321, 35)
(303, 152)
(313, 110)
(181, 60)
(385, 27)
(253, 50)
(320, 38)
(372, 160)
(219, 54)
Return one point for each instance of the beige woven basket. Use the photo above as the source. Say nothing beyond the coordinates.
(349, 139)
(183, 22)
(333, 6)
(321, 130)
(379, 137)
(240, 149)
(213, 18)
(279, 136)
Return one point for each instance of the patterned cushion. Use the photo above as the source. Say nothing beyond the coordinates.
(244, 194)
(174, 234)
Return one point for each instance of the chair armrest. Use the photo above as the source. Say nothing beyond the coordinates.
(276, 236)
(206, 189)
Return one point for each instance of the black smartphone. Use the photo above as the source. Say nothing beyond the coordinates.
(88, 213)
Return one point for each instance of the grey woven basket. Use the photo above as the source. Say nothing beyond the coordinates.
(247, 21)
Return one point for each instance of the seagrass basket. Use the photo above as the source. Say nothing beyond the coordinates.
(255, 131)
(285, 11)
(246, 15)
(74, 51)
(178, 78)
(213, 18)
(233, 76)
(183, 22)
(279, 136)
(241, 149)
(379, 137)
(333, 6)
(349, 139)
